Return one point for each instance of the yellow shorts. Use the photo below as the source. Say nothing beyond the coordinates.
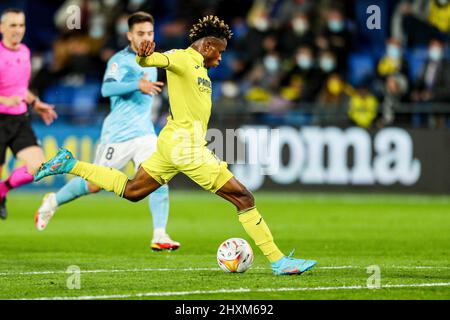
(199, 163)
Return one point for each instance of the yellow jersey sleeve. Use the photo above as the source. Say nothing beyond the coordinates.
(173, 61)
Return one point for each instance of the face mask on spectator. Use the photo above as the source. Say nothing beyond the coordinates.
(261, 24)
(304, 62)
(271, 63)
(300, 26)
(435, 53)
(122, 27)
(97, 27)
(394, 52)
(327, 64)
(336, 25)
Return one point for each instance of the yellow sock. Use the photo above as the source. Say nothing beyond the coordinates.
(106, 178)
(257, 228)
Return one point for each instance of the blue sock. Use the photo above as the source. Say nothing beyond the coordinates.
(75, 188)
(159, 206)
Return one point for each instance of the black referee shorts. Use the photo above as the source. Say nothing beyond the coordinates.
(16, 133)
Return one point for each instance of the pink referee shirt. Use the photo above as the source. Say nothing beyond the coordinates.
(15, 72)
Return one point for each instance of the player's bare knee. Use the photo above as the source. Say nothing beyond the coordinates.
(130, 194)
(133, 192)
(133, 196)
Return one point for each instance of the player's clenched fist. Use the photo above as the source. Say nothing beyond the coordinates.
(146, 48)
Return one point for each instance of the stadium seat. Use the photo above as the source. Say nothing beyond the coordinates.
(85, 101)
(61, 96)
(361, 66)
(74, 103)
(416, 58)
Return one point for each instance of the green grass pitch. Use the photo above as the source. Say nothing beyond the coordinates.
(406, 236)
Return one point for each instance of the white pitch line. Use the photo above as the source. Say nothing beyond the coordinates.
(239, 290)
(105, 271)
(27, 273)
(339, 267)
(418, 267)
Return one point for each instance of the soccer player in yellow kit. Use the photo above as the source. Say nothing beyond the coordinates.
(181, 145)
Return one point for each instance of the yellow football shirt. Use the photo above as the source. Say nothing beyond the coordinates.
(181, 144)
(189, 88)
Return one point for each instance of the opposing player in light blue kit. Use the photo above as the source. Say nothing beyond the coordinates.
(127, 133)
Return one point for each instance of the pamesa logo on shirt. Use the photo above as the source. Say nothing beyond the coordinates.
(204, 85)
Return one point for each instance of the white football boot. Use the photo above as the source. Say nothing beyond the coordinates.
(162, 241)
(45, 211)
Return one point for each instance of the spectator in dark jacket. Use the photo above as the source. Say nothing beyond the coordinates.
(433, 85)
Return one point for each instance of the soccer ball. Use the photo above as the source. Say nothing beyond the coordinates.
(235, 255)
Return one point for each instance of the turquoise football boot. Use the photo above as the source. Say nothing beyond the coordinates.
(288, 265)
(63, 162)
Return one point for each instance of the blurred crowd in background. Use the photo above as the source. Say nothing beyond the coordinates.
(289, 62)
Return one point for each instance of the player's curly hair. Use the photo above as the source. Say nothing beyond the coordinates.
(210, 26)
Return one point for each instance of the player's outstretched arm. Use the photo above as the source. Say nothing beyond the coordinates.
(147, 57)
(112, 88)
(174, 60)
(118, 88)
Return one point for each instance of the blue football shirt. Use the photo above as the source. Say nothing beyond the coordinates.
(130, 115)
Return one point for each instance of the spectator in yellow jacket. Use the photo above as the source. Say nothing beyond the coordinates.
(363, 107)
